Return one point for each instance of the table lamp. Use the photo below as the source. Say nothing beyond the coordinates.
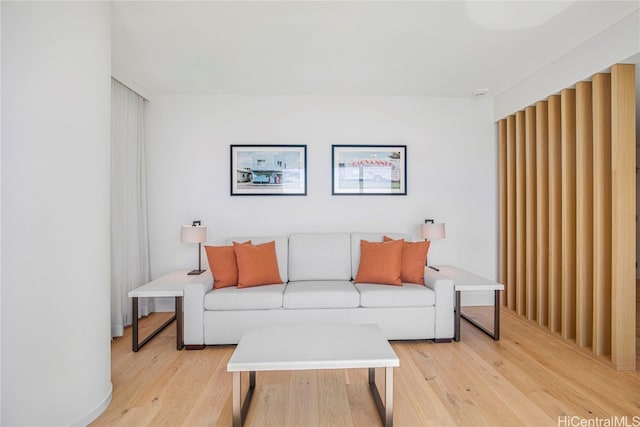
(195, 233)
(432, 230)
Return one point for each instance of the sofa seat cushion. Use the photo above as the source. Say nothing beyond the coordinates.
(407, 295)
(321, 294)
(256, 298)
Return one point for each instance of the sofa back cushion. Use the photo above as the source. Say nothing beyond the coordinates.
(282, 250)
(319, 256)
(371, 237)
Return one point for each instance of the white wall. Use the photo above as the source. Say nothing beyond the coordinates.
(452, 171)
(55, 224)
(618, 44)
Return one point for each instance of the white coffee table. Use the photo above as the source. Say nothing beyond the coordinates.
(465, 281)
(287, 347)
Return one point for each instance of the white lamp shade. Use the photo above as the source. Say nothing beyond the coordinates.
(433, 230)
(193, 233)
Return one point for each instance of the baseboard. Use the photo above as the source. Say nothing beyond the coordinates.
(89, 418)
(441, 340)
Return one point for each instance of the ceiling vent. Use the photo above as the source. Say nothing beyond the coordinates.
(480, 92)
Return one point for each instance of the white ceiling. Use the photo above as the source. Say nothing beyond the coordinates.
(430, 48)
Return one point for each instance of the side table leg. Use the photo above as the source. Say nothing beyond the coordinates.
(134, 327)
(496, 315)
(179, 324)
(137, 345)
(456, 332)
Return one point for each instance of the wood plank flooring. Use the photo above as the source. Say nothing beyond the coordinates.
(526, 379)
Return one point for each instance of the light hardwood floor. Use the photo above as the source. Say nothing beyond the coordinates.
(526, 378)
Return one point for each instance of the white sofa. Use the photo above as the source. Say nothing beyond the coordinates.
(317, 271)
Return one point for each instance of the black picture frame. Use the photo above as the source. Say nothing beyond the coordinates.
(369, 170)
(268, 170)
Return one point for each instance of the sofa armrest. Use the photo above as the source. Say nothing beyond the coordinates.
(444, 316)
(193, 303)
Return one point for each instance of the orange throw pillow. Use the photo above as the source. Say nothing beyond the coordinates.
(380, 262)
(414, 258)
(257, 264)
(223, 265)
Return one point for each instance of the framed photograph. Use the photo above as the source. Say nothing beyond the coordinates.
(268, 170)
(369, 169)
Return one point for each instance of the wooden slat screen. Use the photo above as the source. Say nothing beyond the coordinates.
(623, 214)
(584, 214)
(520, 214)
(530, 214)
(542, 214)
(555, 217)
(602, 214)
(502, 192)
(567, 214)
(568, 224)
(510, 290)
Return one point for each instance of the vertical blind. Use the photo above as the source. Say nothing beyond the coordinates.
(567, 212)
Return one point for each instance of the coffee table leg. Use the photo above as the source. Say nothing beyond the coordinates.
(388, 406)
(385, 410)
(238, 408)
(237, 412)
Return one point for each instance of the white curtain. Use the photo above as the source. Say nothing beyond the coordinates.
(129, 230)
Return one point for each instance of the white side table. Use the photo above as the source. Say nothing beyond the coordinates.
(169, 285)
(465, 281)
